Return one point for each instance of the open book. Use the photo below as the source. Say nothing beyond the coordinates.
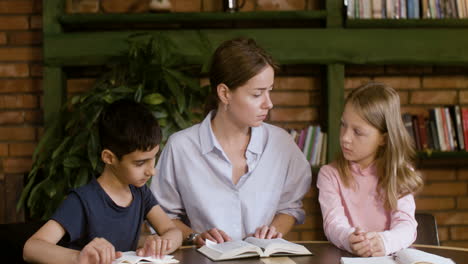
(252, 247)
(130, 257)
(404, 256)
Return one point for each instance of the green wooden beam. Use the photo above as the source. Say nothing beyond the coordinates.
(288, 46)
(116, 19)
(54, 92)
(335, 13)
(335, 100)
(54, 78)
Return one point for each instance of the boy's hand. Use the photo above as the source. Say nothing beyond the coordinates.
(359, 243)
(267, 232)
(214, 234)
(155, 246)
(98, 251)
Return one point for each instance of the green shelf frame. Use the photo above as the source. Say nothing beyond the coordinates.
(170, 18)
(334, 44)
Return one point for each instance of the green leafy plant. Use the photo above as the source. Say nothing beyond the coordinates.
(67, 155)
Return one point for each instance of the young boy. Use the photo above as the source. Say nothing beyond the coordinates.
(103, 218)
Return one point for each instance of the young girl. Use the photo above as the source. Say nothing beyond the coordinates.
(366, 194)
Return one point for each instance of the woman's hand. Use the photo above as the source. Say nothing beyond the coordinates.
(267, 232)
(98, 251)
(214, 234)
(155, 246)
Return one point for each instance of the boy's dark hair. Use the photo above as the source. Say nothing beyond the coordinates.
(126, 126)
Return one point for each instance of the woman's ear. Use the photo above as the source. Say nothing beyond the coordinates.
(108, 157)
(223, 93)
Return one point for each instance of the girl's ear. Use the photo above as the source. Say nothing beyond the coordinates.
(108, 157)
(223, 93)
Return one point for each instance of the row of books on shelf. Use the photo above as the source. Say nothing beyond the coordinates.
(445, 128)
(313, 143)
(406, 9)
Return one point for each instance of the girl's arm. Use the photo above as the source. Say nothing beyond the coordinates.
(403, 225)
(169, 238)
(335, 222)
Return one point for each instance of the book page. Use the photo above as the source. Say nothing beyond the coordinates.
(130, 257)
(278, 245)
(226, 246)
(370, 260)
(413, 256)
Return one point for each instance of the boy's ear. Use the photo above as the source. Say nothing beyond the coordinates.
(108, 157)
(223, 93)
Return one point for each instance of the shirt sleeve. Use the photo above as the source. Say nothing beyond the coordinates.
(403, 226)
(297, 183)
(149, 201)
(335, 222)
(164, 184)
(71, 216)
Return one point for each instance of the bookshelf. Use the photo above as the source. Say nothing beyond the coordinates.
(321, 37)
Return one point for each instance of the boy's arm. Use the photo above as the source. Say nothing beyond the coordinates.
(44, 241)
(42, 248)
(166, 229)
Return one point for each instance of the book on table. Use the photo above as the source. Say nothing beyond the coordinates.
(252, 247)
(130, 257)
(404, 256)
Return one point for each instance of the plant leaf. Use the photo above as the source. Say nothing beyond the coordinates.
(153, 99)
(72, 162)
(93, 148)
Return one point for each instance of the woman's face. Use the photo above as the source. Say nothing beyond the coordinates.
(248, 105)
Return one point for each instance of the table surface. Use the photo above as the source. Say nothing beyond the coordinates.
(324, 253)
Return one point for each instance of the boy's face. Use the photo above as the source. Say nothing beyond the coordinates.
(137, 167)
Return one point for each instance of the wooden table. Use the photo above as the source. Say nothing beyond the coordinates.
(324, 253)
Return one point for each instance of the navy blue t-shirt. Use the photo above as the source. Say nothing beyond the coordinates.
(88, 212)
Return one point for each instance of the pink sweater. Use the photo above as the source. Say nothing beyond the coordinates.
(343, 209)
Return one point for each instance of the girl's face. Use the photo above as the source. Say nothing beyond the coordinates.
(359, 140)
(249, 104)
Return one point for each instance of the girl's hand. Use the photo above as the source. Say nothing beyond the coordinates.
(214, 234)
(98, 251)
(267, 232)
(376, 244)
(155, 246)
(359, 243)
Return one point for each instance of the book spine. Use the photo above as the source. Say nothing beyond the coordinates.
(450, 130)
(433, 127)
(440, 129)
(464, 112)
(311, 142)
(416, 132)
(422, 131)
(459, 125)
(377, 9)
(410, 8)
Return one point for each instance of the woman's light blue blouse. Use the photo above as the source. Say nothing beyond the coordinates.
(193, 180)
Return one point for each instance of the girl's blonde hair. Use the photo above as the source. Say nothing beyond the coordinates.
(379, 105)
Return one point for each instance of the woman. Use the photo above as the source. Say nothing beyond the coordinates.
(232, 175)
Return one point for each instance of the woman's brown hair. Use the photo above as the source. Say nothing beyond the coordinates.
(233, 63)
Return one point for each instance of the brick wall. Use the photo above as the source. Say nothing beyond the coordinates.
(20, 91)
(297, 99)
